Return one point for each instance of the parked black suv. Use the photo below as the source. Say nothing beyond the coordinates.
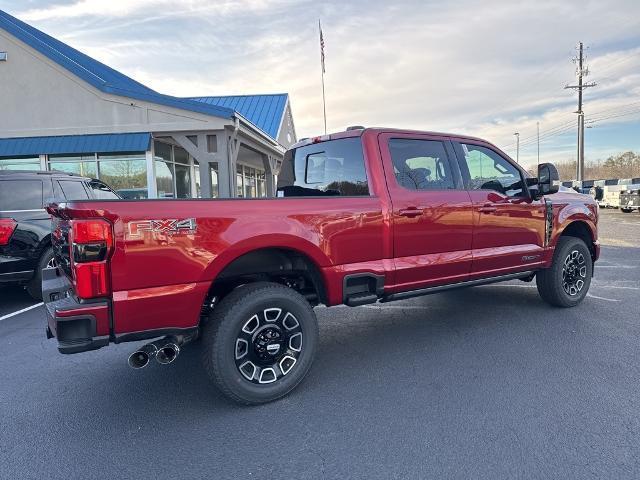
(25, 226)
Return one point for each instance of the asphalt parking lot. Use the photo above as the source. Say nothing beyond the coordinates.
(487, 382)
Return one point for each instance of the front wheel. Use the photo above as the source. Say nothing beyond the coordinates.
(567, 281)
(259, 342)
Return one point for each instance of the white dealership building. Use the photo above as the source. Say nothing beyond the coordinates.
(63, 110)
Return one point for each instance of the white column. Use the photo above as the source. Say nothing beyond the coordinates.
(152, 187)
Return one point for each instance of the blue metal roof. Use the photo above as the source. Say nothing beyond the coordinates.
(98, 74)
(264, 111)
(74, 144)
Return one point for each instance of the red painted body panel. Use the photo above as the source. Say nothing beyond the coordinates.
(502, 237)
(160, 280)
(434, 244)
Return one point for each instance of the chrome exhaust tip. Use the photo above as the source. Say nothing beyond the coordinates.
(168, 353)
(141, 357)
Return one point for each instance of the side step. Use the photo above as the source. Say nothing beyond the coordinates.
(361, 299)
(362, 288)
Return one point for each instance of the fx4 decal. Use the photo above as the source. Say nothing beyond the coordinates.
(169, 226)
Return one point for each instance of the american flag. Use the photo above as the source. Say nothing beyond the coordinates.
(321, 47)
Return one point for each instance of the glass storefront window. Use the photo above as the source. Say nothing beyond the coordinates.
(262, 187)
(196, 177)
(249, 182)
(183, 181)
(84, 165)
(240, 182)
(173, 171)
(180, 155)
(126, 174)
(214, 180)
(164, 178)
(20, 163)
(162, 151)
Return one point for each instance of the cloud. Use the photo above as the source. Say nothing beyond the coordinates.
(128, 8)
(487, 68)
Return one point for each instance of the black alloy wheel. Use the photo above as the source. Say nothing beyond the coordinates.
(259, 342)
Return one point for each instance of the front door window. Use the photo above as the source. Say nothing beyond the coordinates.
(490, 171)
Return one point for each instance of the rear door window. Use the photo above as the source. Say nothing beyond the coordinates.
(421, 164)
(100, 190)
(73, 190)
(20, 194)
(328, 168)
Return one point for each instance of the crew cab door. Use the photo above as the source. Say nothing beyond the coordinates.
(508, 224)
(431, 210)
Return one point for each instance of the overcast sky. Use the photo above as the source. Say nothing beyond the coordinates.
(487, 68)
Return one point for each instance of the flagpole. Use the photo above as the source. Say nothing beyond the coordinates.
(324, 102)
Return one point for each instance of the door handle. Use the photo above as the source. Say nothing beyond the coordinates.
(487, 208)
(410, 212)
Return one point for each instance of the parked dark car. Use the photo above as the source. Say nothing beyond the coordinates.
(25, 226)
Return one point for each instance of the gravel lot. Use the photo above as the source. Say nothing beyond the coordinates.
(487, 382)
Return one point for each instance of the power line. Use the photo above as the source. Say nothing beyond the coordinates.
(533, 137)
(543, 138)
(621, 114)
(563, 130)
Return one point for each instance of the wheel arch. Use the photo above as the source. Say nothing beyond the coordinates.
(293, 266)
(582, 230)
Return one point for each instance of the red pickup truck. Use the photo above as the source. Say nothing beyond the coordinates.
(362, 216)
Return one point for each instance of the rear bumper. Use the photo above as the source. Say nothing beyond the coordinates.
(78, 327)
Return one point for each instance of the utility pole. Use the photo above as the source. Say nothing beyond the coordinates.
(517, 134)
(581, 71)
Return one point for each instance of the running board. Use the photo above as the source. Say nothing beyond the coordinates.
(441, 288)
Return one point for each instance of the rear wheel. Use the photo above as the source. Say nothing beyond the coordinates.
(567, 281)
(259, 342)
(34, 287)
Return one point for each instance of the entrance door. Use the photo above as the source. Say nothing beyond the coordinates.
(432, 213)
(508, 224)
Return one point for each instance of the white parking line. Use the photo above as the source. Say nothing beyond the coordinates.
(9, 315)
(401, 307)
(616, 286)
(509, 286)
(616, 266)
(602, 298)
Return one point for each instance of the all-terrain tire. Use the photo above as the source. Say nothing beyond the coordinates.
(34, 287)
(567, 281)
(254, 314)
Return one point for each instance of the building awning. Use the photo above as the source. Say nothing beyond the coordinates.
(75, 144)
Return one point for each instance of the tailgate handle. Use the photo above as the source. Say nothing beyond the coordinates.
(410, 212)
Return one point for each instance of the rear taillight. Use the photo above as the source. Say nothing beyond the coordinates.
(91, 242)
(7, 227)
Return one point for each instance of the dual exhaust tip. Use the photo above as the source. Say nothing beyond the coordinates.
(165, 351)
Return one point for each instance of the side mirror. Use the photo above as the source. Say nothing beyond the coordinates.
(548, 179)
